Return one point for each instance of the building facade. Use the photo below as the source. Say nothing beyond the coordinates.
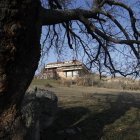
(66, 70)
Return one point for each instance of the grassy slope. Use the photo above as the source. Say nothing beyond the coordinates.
(94, 113)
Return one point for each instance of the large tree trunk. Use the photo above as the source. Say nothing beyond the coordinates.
(20, 30)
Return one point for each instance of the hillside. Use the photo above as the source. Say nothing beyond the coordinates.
(87, 113)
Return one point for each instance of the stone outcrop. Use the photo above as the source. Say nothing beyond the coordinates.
(38, 112)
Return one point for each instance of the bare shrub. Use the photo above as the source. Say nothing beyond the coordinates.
(114, 84)
(88, 80)
(66, 82)
(125, 84)
(94, 80)
(133, 86)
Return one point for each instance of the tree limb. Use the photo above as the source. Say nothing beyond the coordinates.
(56, 16)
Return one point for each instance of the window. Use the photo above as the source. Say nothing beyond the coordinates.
(75, 74)
(69, 73)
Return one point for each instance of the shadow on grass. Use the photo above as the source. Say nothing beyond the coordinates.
(79, 123)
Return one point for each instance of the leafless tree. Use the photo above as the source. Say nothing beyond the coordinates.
(110, 39)
(103, 29)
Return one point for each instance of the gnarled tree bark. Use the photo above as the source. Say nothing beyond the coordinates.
(20, 30)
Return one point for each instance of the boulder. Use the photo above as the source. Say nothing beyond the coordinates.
(38, 112)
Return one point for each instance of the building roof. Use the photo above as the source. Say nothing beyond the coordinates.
(63, 64)
(67, 65)
(54, 63)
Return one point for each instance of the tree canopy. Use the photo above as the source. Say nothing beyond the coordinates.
(106, 31)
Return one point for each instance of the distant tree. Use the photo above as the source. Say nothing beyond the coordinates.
(104, 23)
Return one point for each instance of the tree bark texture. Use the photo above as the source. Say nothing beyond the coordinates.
(20, 30)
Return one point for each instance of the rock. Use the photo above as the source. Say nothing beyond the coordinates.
(38, 112)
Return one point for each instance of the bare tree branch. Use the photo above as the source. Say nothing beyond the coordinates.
(99, 26)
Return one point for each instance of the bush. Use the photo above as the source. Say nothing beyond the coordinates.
(122, 84)
(94, 80)
(88, 80)
(66, 82)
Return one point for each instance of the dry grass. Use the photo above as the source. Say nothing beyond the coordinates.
(95, 113)
(94, 81)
